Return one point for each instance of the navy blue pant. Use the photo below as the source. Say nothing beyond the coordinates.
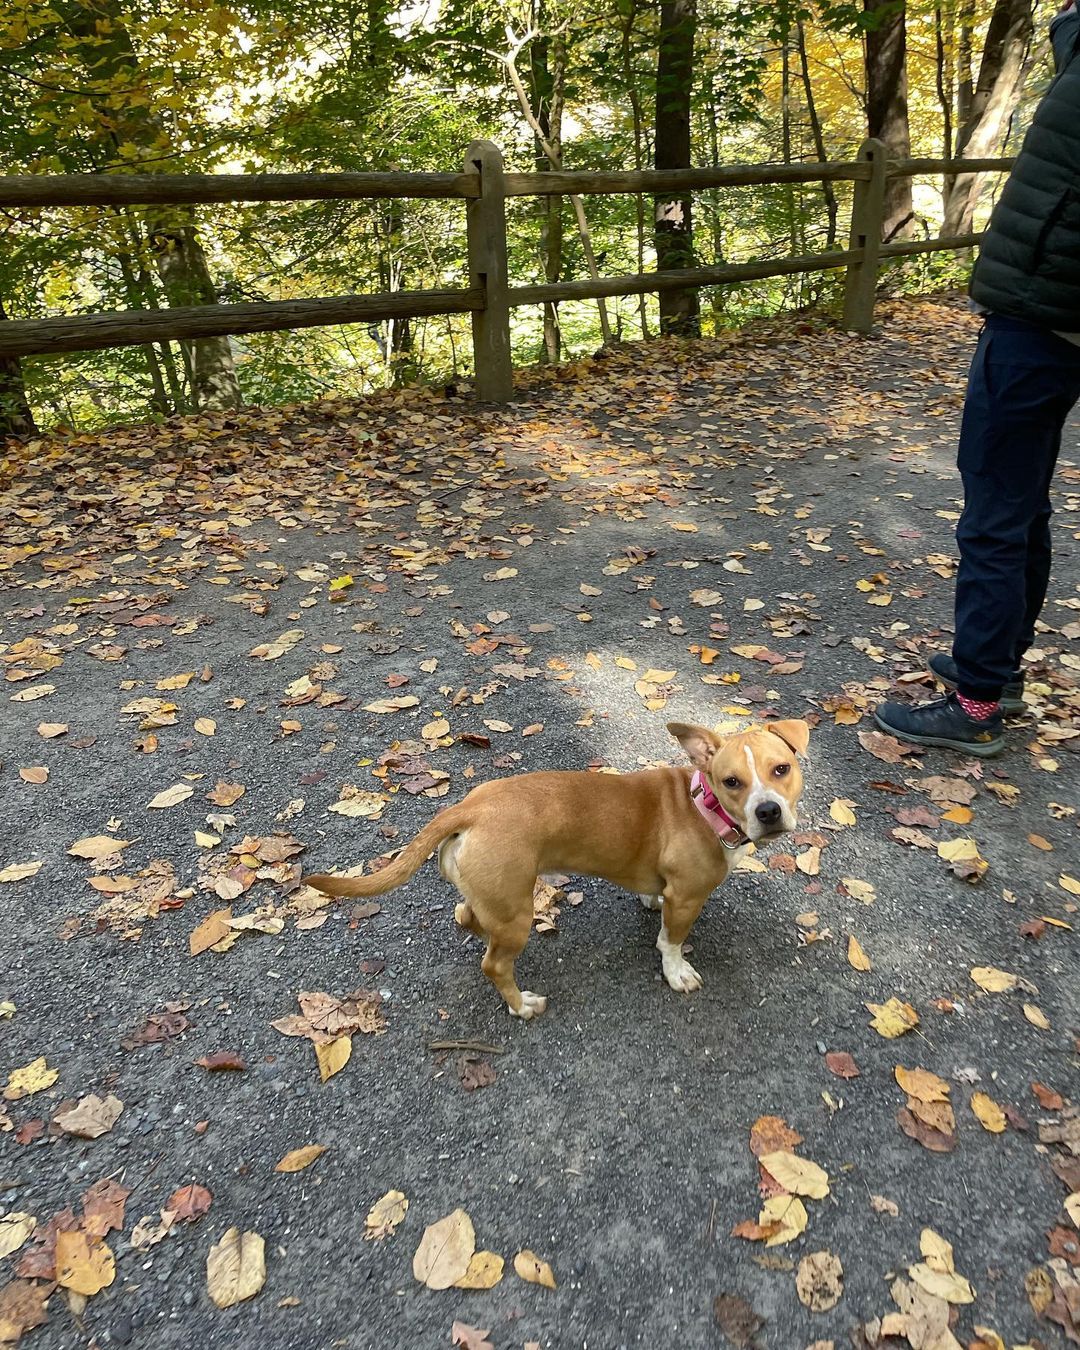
(1023, 382)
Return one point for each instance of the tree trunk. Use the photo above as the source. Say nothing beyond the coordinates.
(944, 80)
(629, 19)
(674, 232)
(106, 50)
(886, 104)
(980, 135)
(827, 189)
(547, 100)
(16, 418)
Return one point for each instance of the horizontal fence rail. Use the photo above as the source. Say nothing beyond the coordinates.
(484, 187)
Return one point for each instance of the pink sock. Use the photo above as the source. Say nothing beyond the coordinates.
(977, 708)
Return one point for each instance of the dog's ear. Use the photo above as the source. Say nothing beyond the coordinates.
(699, 742)
(795, 733)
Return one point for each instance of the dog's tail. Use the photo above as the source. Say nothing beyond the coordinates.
(411, 858)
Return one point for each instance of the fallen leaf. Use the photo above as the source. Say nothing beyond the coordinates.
(171, 796)
(841, 1063)
(445, 1251)
(15, 1228)
(798, 1176)
(221, 1061)
(22, 1307)
(226, 794)
(1071, 1205)
(189, 1203)
(333, 1056)
(391, 705)
(737, 1320)
(470, 1338)
(97, 846)
(859, 890)
(784, 1218)
(529, 1266)
(299, 1158)
(857, 958)
(83, 1266)
(1036, 1016)
(205, 726)
(91, 1118)
(841, 811)
(992, 980)
(880, 1204)
(820, 1281)
(893, 1018)
(948, 1285)
(33, 1077)
(385, 1215)
(990, 1116)
(485, 1271)
(34, 773)
(1049, 1100)
(770, 1134)
(20, 871)
(1040, 1290)
(921, 1084)
(211, 931)
(235, 1268)
(1069, 884)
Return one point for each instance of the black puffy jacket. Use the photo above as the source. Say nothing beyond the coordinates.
(1029, 260)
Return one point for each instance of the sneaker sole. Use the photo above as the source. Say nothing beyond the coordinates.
(981, 750)
(1008, 704)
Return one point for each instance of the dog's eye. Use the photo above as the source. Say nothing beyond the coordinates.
(781, 770)
(733, 783)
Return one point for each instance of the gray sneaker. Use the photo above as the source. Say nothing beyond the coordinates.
(943, 668)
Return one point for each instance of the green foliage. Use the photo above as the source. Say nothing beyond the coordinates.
(203, 86)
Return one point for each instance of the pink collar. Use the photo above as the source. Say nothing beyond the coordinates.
(722, 825)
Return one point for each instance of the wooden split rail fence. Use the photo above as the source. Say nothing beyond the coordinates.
(489, 297)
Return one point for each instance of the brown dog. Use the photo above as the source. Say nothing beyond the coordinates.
(669, 834)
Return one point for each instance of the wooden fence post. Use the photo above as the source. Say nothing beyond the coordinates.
(485, 225)
(867, 215)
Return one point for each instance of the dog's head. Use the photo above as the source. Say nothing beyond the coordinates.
(755, 774)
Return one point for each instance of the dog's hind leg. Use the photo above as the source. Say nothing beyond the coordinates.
(506, 942)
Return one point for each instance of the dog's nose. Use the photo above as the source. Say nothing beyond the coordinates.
(768, 813)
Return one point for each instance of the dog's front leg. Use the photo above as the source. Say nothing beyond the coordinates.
(679, 913)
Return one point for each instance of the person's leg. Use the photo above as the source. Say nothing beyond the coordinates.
(1024, 380)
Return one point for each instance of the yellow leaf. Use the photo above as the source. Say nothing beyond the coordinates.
(789, 1212)
(958, 850)
(176, 681)
(235, 1268)
(333, 1056)
(385, 1215)
(798, 1176)
(210, 932)
(937, 1253)
(205, 840)
(390, 705)
(922, 1084)
(948, 1285)
(892, 1019)
(686, 527)
(959, 815)
(529, 1266)
(1036, 1016)
(992, 980)
(205, 726)
(83, 1266)
(658, 676)
(809, 862)
(97, 846)
(445, 1251)
(299, 1158)
(15, 1228)
(1072, 1207)
(857, 958)
(439, 726)
(1056, 923)
(1069, 883)
(341, 583)
(171, 796)
(859, 890)
(20, 871)
(485, 1271)
(990, 1116)
(841, 811)
(624, 663)
(883, 599)
(33, 1077)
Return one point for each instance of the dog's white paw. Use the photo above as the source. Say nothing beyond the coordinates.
(652, 901)
(532, 1005)
(681, 975)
